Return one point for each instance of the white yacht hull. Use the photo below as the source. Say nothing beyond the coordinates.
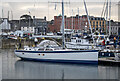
(81, 56)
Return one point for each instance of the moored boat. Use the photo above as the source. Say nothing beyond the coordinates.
(79, 43)
(50, 51)
(54, 53)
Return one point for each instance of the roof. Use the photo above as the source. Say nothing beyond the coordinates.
(25, 16)
(115, 23)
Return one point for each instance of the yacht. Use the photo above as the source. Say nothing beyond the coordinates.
(50, 51)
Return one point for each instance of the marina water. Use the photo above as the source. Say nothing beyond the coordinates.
(14, 68)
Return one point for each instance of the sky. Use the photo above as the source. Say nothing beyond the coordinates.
(41, 8)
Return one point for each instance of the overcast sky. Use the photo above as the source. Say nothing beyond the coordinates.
(41, 8)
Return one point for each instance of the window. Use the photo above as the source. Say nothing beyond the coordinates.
(79, 40)
(100, 23)
(93, 24)
(103, 23)
(76, 41)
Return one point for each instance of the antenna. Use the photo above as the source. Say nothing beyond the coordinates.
(55, 6)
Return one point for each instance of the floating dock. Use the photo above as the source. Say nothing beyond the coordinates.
(108, 61)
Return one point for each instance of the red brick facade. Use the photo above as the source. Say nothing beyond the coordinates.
(75, 22)
(78, 24)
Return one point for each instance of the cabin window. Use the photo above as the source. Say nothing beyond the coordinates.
(40, 49)
(79, 40)
(108, 47)
(102, 53)
(48, 49)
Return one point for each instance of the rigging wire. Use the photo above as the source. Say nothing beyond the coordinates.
(103, 8)
(106, 16)
(48, 10)
(103, 11)
(34, 7)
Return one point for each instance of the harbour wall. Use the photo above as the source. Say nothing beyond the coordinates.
(12, 43)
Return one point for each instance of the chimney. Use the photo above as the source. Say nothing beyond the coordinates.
(34, 19)
(45, 18)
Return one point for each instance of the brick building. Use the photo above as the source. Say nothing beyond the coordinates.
(78, 23)
(73, 22)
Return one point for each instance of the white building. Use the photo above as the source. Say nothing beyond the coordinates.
(30, 29)
(115, 28)
(5, 25)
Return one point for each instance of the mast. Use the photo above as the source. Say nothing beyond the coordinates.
(110, 18)
(88, 20)
(106, 17)
(78, 18)
(11, 15)
(63, 25)
(2, 20)
(72, 19)
(29, 19)
(8, 15)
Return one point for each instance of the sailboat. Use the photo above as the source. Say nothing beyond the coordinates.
(50, 51)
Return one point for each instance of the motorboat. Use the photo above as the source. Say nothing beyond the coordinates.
(79, 43)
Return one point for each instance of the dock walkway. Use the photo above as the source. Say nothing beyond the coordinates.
(109, 61)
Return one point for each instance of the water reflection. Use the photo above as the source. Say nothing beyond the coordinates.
(14, 68)
(42, 70)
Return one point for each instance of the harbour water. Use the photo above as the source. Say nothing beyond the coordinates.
(14, 68)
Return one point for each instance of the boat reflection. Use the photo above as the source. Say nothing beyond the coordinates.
(43, 70)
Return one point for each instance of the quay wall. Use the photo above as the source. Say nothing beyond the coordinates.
(12, 43)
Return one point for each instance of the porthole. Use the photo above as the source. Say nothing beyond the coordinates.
(102, 53)
(39, 54)
(43, 54)
(23, 53)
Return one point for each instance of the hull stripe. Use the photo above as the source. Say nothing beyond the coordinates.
(56, 51)
(63, 61)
